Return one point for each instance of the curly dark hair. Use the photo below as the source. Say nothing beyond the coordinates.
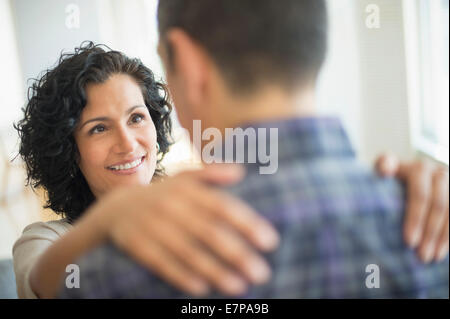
(53, 110)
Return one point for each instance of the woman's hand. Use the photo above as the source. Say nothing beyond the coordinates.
(190, 234)
(427, 216)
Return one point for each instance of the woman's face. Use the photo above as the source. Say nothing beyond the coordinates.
(116, 136)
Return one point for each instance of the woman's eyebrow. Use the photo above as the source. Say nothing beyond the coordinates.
(104, 118)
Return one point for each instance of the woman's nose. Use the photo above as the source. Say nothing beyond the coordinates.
(126, 141)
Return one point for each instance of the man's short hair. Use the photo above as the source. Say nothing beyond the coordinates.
(254, 41)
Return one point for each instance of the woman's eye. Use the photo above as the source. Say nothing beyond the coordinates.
(97, 129)
(136, 118)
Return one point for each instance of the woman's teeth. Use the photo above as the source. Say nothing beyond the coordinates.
(127, 165)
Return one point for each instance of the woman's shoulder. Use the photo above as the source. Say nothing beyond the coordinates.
(35, 239)
(55, 227)
(41, 234)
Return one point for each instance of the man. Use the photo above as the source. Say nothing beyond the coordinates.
(231, 64)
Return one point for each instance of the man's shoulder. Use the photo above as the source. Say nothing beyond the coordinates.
(320, 186)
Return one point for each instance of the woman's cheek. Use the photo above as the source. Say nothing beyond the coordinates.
(95, 157)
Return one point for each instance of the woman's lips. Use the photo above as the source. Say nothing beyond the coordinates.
(129, 171)
(127, 161)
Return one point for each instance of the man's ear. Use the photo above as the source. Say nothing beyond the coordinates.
(188, 65)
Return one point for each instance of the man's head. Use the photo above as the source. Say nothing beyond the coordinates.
(243, 44)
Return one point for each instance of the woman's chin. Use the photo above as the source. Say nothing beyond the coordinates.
(143, 178)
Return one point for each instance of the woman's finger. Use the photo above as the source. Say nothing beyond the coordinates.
(436, 218)
(216, 174)
(418, 179)
(236, 213)
(198, 259)
(442, 246)
(387, 164)
(227, 244)
(159, 260)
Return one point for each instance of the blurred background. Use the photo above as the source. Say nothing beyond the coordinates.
(387, 77)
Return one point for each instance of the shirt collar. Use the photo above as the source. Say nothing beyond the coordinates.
(308, 137)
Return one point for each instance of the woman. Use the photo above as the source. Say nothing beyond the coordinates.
(96, 127)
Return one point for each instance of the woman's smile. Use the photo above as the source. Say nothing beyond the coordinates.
(127, 167)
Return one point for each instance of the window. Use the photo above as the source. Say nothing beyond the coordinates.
(427, 53)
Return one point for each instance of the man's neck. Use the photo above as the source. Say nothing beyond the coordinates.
(270, 104)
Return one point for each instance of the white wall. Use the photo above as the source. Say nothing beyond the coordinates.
(136, 34)
(384, 89)
(364, 80)
(339, 83)
(44, 28)
(11, 88)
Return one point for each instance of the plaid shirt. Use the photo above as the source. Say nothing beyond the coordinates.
(335, 217)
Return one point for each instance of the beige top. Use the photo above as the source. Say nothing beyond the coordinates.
(35, 239)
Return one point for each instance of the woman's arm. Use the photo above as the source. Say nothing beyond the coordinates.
(48, 271)
(161, 226)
